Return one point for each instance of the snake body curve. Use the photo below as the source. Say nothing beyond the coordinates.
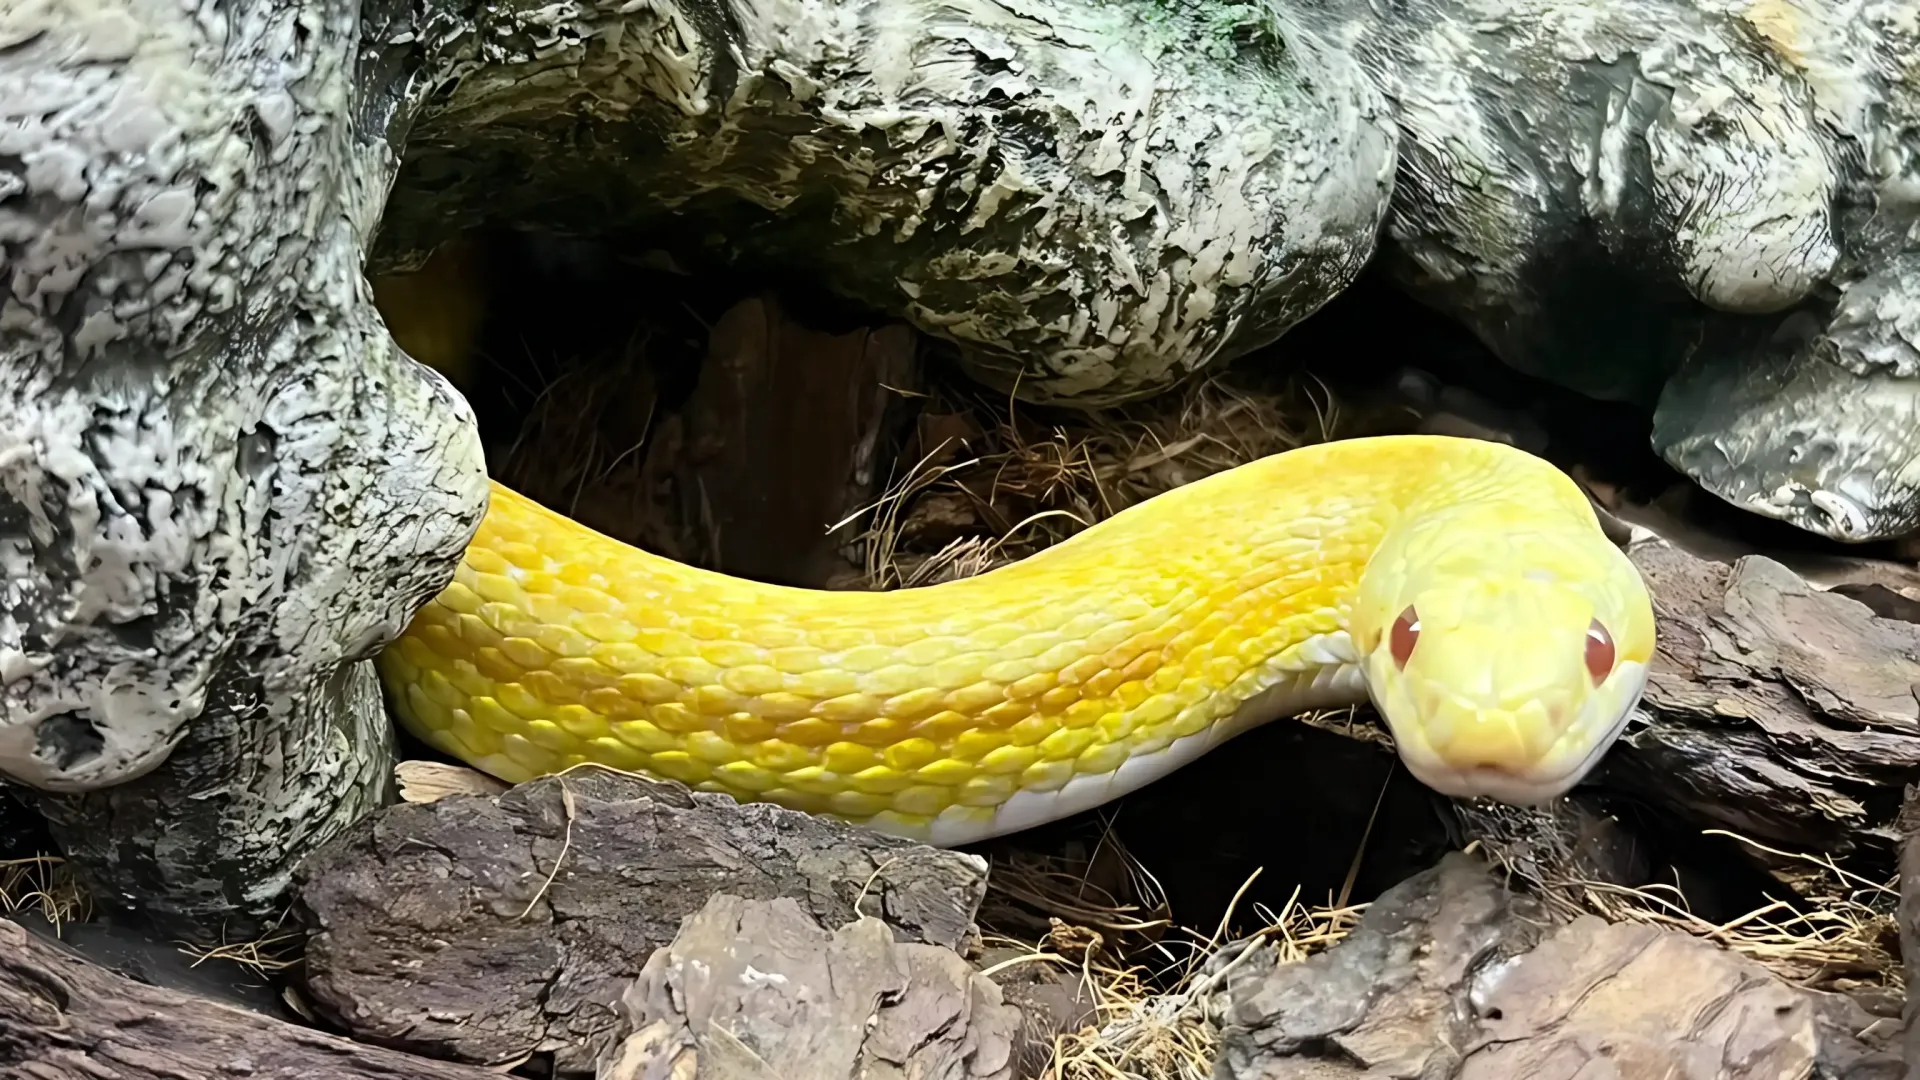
(1463, 586)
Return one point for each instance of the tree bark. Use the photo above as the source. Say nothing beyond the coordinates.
(62, 1018)
(1449, 976)
(484, 929)
(759, 990)
(1774, 710)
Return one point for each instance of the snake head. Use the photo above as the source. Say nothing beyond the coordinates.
(1505, 668)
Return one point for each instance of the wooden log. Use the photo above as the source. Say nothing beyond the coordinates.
(63, 1018)
(484, 929)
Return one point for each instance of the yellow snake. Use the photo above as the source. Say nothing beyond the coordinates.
(1464, 586)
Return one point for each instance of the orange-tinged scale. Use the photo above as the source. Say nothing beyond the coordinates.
(812, 731)
(1031, 730)
(848, 708)
(1006, 714)
(1058, 699)
(881, 732)
(744, 728)
(525, 654)
(977, 697)
(609, 702)
(1031, 686)
(1086, 712)
(676, 717)
(648, 688)
(543, 683)
(781, 706)
(914, 704)
(943, 727)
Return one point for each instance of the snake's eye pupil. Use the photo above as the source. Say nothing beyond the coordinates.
(1599, 651)
(1404, 636)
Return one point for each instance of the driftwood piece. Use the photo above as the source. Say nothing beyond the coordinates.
(759, 990)
(1773, 710)
(1451, 977)
(62, 1018)
(484, 929)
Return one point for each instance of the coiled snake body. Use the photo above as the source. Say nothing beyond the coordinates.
(1463, 586)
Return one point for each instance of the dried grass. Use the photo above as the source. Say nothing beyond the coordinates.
(1036, 476)
(1151, 981)
(1838, 929)
(43, 884)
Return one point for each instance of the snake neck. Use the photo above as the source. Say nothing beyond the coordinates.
(948, 712)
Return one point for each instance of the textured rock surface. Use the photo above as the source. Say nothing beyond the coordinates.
(759, 990)
(221, 486)
(483, 929)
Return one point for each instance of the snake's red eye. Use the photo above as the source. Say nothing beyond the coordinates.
(1599, 651)
(1404, 636)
